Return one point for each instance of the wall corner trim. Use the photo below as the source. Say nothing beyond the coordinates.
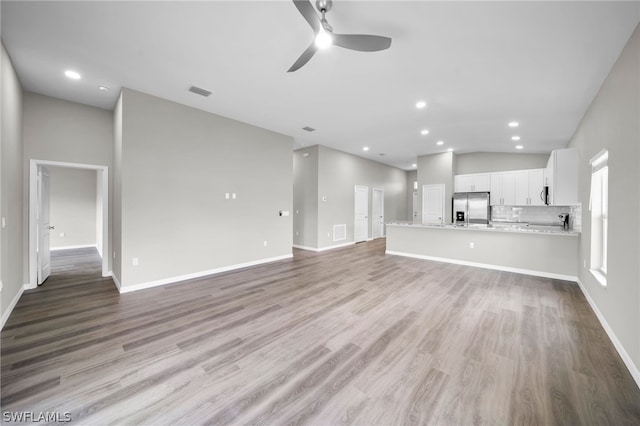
(542, 274)
(116, 281)
(186, 277)
(14, 302)
(633, 369)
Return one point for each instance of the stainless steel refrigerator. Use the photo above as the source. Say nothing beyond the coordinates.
(470, 208)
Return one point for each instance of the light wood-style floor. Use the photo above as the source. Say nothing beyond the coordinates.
(350, 336)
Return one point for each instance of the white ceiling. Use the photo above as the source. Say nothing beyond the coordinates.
(478, 64)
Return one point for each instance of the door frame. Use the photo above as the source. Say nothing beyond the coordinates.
(381, 191)
(103, 178)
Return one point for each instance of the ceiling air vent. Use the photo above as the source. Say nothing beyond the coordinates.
(309, 129)
(199, 91)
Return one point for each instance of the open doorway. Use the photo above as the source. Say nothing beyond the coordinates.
(42, 231)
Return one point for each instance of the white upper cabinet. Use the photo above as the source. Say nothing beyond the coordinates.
(476, 182)
(529, 187)
(562, 177)
(503, 188)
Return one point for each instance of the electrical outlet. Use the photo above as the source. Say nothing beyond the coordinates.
(134, 261)
(233, 195)
(584, 263)
(265, 243)
(472, 245)
(4, 222)
(62, 234)
(114, 255)
(226, 195)
(297, 233)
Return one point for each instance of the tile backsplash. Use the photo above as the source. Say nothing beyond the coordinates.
(546, 215)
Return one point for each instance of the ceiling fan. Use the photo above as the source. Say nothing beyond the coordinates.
(324, 36)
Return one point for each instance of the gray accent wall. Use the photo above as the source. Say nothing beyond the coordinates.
(485, 162)
(305, 197)
(177, 164)
(11, 207)
(612, 122)
(436, 169)
(539, 253)
(338, 174)
(58, 130)
(73, 201)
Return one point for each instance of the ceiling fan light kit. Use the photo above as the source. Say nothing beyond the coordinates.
(324, 36)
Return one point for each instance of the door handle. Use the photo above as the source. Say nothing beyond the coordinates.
(52, 227)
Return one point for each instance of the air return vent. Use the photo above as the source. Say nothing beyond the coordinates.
(339, 232)
(309, 129)
(199, 91)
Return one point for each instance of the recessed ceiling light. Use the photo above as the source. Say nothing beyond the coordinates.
(365, 148)
(104, 88)
(449, 149)
(515, 138)
(440, 143)
(424, 132)
(421, 104)
(514, 124)
(414, 165)
(73, 75)
(519, 146)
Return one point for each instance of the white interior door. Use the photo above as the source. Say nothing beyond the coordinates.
(44, 227)
(377, 213)
(433, 203)
(361, 228)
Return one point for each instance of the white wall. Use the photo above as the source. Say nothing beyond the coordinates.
(73, 207)
(177, 164)
(11, 207)
(612, 122)
(57, 130)
(338, 173)
(305, 197)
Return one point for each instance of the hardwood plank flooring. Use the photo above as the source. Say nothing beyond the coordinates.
(350, 336)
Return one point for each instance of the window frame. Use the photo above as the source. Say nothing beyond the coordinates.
(599, 207)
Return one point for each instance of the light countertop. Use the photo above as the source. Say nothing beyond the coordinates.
(497, 227)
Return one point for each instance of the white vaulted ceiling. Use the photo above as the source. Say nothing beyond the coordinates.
(478, 65)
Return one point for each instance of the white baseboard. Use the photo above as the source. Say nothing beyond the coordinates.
(323, 248)
(74, 247)
(172, 280)
(14, 301)
(488, 266)
(633, 369)
(30, 286)
(116, 281)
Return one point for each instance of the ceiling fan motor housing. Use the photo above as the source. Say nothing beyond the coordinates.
(323, 5)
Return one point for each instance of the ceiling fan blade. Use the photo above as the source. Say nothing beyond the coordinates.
(361, 42)
(304, 58)
(309, 14)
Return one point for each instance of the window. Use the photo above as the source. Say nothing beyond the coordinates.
(599, 206)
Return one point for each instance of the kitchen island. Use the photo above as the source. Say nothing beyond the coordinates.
(544, 251)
